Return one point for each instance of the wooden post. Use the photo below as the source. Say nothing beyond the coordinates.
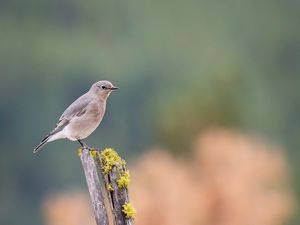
(93, 182)
(116, 179)
(119, 197)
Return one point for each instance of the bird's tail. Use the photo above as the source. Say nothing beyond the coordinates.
(41, 144)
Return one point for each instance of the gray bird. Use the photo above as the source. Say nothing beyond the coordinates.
(82, 117)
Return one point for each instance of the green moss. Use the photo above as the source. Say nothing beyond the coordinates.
(94, 153)
(124, 180)
(129, 211)
(110, 158)
(109, 187)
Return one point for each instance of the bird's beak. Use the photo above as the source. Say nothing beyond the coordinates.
(114, 88)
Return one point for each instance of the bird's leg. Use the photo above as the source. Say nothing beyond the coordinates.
(80, 143)
(83, 145)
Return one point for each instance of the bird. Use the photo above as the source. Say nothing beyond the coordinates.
(82, 117)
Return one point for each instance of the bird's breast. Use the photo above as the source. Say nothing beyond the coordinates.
(82, 126)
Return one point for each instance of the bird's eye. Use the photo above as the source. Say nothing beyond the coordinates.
(103, 87)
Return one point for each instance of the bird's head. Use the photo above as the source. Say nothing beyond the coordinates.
(103, 88)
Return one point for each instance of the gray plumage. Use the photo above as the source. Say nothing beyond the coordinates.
(83, 116)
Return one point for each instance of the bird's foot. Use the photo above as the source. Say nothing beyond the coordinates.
(84, 145)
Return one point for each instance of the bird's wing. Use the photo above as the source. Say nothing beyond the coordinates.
(77, 108)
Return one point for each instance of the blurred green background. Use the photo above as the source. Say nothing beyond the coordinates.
(181, 66)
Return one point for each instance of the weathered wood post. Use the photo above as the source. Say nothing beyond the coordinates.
(116, 179)
(94, 186)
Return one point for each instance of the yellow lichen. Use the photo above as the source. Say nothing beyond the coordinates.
(124, 180)
(110, 158)
(129, 211)
(94, 153)
(109, 187)
(79, 152)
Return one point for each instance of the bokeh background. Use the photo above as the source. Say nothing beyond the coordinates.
(207, 114)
